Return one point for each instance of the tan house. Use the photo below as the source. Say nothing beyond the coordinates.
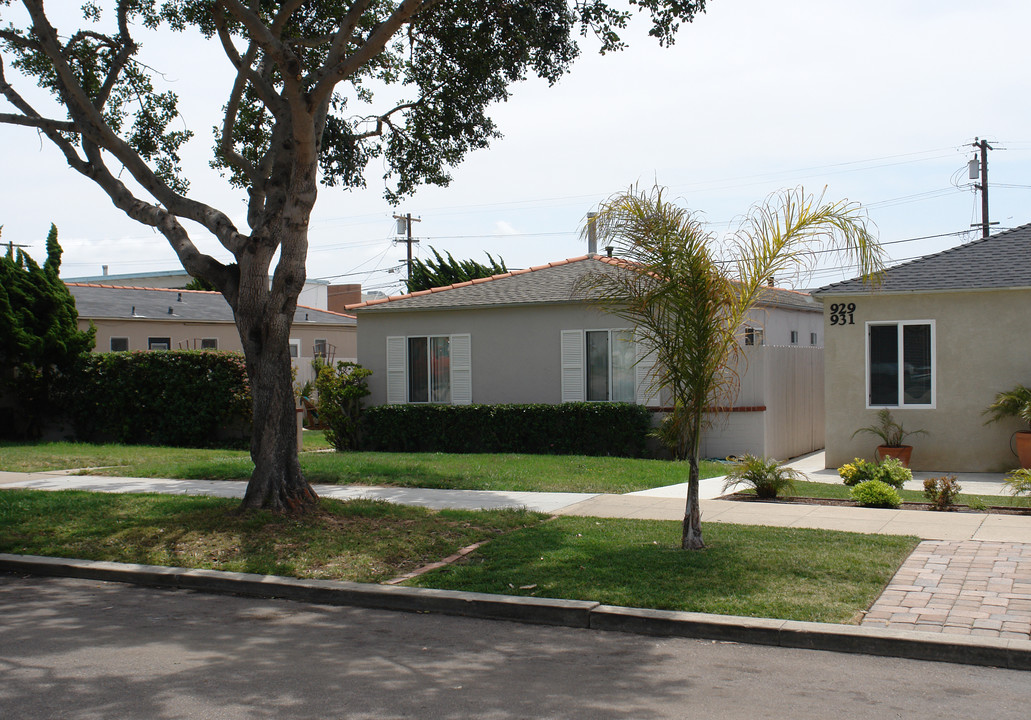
(133, 318)
(525, 337)
(934, 344)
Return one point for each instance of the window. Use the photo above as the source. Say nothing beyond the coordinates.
(429, 369)
(812, 338)
(320, 348)
(600, 366)
(900, 364)
(794, 337)
(159, 343)
(610, 365)
(209, 344)
(119, 344)
(753, 336)
(295, 348)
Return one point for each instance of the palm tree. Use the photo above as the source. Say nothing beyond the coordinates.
(687, 293)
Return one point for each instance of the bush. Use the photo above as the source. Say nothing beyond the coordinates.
(941, 492)
(766, 476)
(891, 472)
(874, 493)
(340, 392)
(616, 429)
(1019, 482)
(184, 398)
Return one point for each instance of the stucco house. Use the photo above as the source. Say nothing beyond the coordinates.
(135, 318)
(525, 337)
(933, 343)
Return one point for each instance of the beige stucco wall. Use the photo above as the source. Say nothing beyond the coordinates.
(188, 335)
(980, 347)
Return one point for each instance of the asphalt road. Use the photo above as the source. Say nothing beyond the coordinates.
(87, 649)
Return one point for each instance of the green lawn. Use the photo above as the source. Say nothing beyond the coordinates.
(550, 473)
(755, 571)
(361, 540)
(788, 573)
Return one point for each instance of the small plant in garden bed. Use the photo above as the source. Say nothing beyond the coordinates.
(766, 476)
(1019, 482)
(890, 471)
(942, 492)
(874, 493)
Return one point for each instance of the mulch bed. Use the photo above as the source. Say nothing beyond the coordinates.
(841, 502)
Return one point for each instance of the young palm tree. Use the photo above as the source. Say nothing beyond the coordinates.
(687, 294)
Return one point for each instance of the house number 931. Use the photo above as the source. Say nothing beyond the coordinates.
(843, 313)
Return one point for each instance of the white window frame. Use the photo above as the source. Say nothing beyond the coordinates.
(209, 340)
(794, 337)
(900, 324)
(295, 348)
(156, 346)
(112, 341)
(459, 367)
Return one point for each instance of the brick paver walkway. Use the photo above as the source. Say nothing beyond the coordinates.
(966, 587)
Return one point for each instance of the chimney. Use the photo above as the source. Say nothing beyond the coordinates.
(592, 234)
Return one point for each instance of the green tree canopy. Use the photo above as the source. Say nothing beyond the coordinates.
(39, 335)
(439, 272)
(687, 292)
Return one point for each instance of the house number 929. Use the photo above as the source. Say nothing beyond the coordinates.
(843, 313)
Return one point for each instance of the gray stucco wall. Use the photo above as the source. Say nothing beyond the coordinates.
(981, 347)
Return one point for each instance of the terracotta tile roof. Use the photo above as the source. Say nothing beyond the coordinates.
(999, 261)
(541, 284)
(115, 301)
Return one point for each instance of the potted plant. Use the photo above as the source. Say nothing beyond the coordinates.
(1015, 403)
(892, 436)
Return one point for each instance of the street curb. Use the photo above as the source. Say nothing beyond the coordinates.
(962, 649)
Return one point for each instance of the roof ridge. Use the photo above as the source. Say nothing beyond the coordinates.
(138, 287)
(467, 283)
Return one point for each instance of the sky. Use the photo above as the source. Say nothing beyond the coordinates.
(876, 102)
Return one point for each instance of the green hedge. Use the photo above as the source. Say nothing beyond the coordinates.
(568, 429)
(184, 398)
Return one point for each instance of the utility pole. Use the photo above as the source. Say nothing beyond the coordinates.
(984, 147)
(407, 220)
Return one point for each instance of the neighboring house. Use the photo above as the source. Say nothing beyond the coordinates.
(132, 318)
(934, 343)
(524, 337)
(315, 293)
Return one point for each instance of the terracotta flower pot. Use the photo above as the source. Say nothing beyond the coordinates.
(900, 453)
(1023, 443)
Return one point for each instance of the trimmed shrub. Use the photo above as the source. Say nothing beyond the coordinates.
(616, 429)
(184, 398)
(874, 493)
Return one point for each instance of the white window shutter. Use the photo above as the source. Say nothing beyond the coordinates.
(573, 366)
(396, 383)
(647, 393)
(461, 370)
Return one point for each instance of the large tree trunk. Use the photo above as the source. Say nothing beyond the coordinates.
(692, 535)
(277, 483)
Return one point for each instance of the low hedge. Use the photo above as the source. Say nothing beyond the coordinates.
(183, 398)
(618, 429)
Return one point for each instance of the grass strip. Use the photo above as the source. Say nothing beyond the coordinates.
(840, 491)
(503, 472)
(359, 540)
(788, 573)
